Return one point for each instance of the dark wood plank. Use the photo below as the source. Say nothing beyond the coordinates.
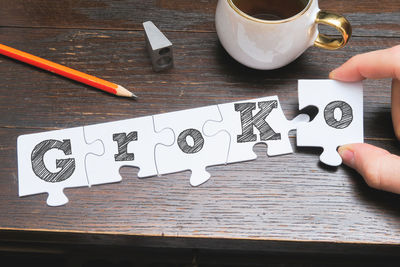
(367, 18)
(203, 70)
(290, 197)
(21, 254)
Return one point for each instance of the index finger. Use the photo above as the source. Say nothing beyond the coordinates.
(373, 65)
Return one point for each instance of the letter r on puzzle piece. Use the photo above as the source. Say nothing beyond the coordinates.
(128, 142)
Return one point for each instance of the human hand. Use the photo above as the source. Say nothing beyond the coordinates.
(379, 168)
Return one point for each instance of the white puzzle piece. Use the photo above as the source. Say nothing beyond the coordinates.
(251, 122)
(126, 143)
(51, 161)
(192, 150)
(339, 120)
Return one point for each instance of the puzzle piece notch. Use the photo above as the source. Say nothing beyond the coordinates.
(128, 142)
(265, 116)
(165, 144)
(158, 47)
(50, 161)
(98, 154)
(339, 120)
(192, 150)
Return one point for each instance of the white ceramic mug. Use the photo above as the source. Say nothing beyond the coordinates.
(269, 34)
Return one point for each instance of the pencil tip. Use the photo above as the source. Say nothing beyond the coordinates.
(122, 91)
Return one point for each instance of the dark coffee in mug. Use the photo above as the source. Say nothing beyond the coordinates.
(271, 9)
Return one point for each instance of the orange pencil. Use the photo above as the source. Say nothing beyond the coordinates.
(98, 83)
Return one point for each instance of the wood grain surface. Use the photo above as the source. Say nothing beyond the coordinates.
(290, 199)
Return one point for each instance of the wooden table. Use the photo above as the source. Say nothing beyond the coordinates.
(286, 203)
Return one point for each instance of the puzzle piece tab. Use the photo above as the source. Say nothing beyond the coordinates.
(251, 122)
(192, 150)
(339, 120)
(51, 161)
(126, 143)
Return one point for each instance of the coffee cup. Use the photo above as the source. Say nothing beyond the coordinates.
(269, 34)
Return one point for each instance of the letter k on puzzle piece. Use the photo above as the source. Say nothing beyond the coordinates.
(251, 122)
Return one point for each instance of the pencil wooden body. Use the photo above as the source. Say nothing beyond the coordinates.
(65, 71)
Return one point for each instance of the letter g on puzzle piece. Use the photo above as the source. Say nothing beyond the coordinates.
(51, 161)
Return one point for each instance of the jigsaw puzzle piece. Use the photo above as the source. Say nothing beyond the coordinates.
(251, 122)
(339, 120)
(128, 142)
(51, 161)
(192, 150)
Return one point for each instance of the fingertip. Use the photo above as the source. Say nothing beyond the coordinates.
(379, 168)
(347, 155)
(396, 106)
(396, 127)
(361, 157)
(332, 75)
(344, 73)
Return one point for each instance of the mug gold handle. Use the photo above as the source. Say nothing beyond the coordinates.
(338, 22)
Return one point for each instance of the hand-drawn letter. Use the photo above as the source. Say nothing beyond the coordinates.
(347, 114)
(258, 121)
(67, 165)
(198, 141)
(123, 140)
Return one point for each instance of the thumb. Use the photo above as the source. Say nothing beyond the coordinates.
(380, 169)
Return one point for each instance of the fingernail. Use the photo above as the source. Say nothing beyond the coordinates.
(332, 75)
(397, 133)
(347, 155)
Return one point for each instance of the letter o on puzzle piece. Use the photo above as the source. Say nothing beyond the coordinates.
(346, 118)
(197, 138)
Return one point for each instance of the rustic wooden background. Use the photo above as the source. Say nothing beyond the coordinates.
(284, 203)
